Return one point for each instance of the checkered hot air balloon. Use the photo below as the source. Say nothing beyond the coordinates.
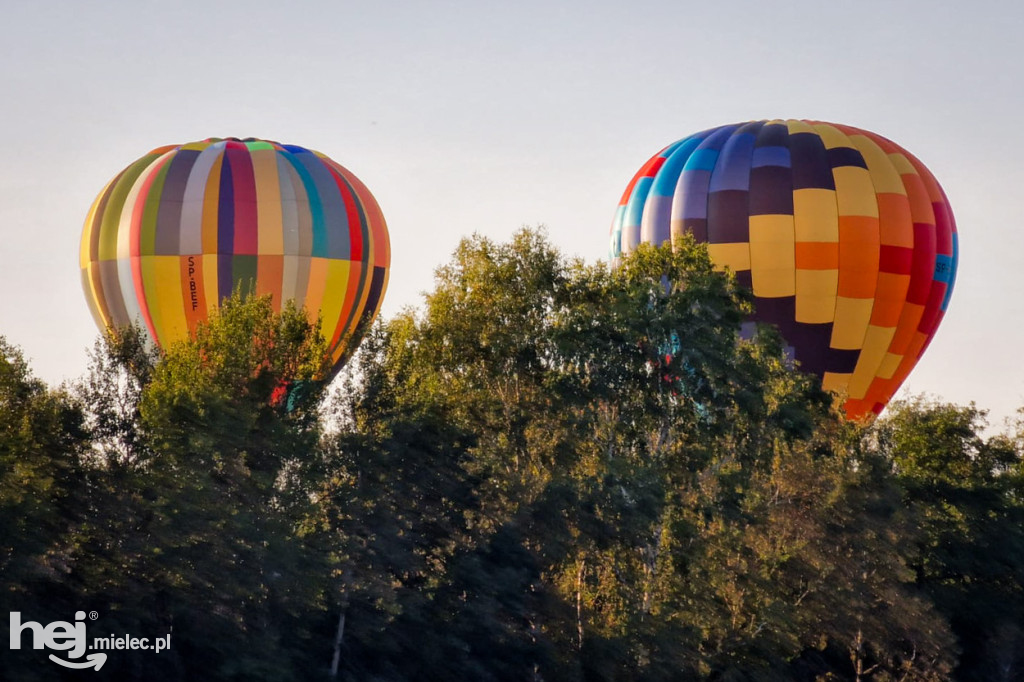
(180, 229)
(846, 240)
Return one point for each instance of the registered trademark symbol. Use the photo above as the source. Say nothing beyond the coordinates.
(93, 615)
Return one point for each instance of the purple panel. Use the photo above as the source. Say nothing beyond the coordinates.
(727, 217)
(771, 190)
(811, 167)
(773, 135)
(846, 156)
(777, 311)
(656, 226)
(811, 344)
(168, 217)
(225, 279)
(698, 227)
(841, 361)
(691, 199)
(226, 214)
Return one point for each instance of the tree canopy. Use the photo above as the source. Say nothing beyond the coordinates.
(549, 471)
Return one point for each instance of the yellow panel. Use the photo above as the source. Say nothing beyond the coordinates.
(147, 270)
(890, 363)
(902, 164)
(855, 194)
(735, 256)
(835, 383)
(86, 245)
(876, 341)
(162, 285)
(798, 127)
(852, 317)
(334, 295)
(772, 256)
(815, 215)
(210, 284)
(169, 298)
(884, 175)
(317, 283)
(832, 137)
(816, 295)
(270, 230)
(89, 285)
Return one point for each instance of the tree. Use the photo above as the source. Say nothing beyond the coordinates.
(203, 465)
(638, 508)
(43, 446)
(965, 489)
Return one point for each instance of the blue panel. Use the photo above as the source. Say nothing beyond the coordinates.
(667, 177)
(943, 268)
(694, 202)
(951, 279)
(634, 212)
(733, 169)
(706, 155)
(702, 159)
(335, 222)
(615, 239)
(315, 206)
(771, 156)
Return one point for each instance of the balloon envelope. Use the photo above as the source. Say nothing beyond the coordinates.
(846, 240)
(184, 226)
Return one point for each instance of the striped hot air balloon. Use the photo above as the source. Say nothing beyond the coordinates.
(180, 229)
(846, 240)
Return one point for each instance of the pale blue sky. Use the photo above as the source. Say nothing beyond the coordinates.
(466, 116)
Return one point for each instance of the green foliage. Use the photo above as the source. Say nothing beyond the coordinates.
(552, 471)
(965, 489)
(42, 449)
(669, 501)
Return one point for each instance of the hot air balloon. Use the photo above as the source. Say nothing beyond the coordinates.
(180, 229)
(846, 240)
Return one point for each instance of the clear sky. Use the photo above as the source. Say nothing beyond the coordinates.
(484, 116)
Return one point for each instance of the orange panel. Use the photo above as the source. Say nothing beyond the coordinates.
(269, 275)
(877, 391)
(897, 226)
(909, 319)
(817, 255)
(920, 202)
(193, 296)
(856, 410)
(858, 256)
(890, 296)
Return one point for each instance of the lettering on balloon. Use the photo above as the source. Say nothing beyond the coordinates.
(193, 291)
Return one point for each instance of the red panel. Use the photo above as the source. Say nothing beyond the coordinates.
(923, 266)
(649, 170)
(243, 186)
(896, 259)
